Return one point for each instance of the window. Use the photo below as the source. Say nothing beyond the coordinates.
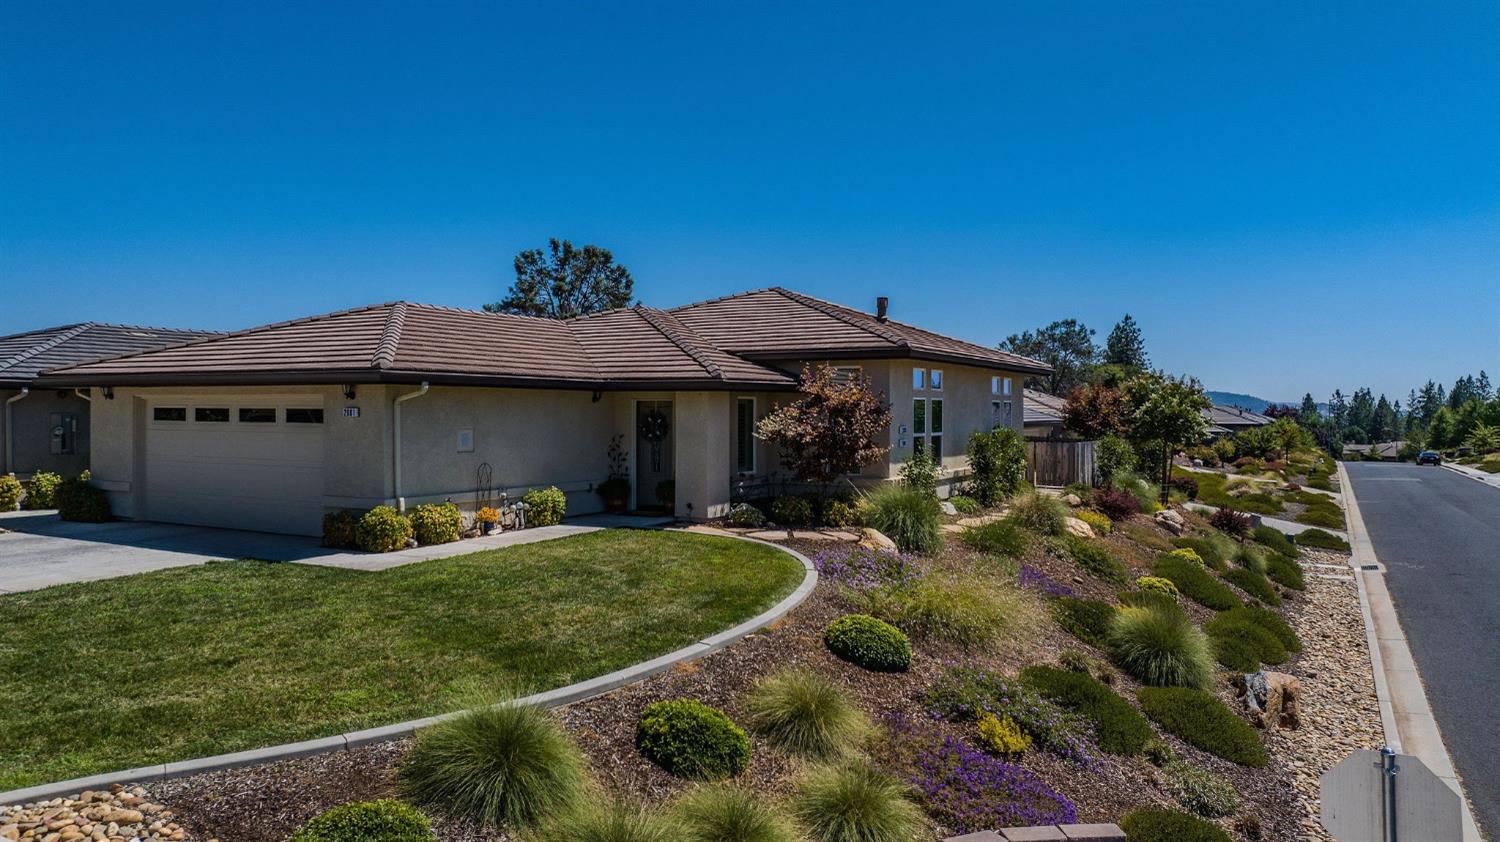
(927, 426)
(935, 422)
(257, 416)
(169, 413)
(918, 379)
(994, 385)
(211, 415)
(843, 374)
(1006, 385)
(304, 416)
(935, 378)
(1000, 414)
(744, 426)
(64, 433)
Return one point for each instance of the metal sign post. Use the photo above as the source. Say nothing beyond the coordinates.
(1372, 795)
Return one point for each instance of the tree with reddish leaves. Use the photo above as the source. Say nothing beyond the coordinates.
(1094, 411)
(835, 429)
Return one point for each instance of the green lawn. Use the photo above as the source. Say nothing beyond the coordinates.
(197, 661)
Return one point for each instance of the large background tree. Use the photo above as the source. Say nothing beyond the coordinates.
(1125, 347)
(834, 430)
(1165, 413)
(569, 282)
(1066, 345)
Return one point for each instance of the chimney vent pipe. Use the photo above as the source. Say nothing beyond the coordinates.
(882, 304)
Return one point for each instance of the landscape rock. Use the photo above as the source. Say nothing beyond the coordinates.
(874, 539)
(1072, 500)
(119, 815)
(948, 508)
(1272, 698)
(1171, 521)
(1078, 527)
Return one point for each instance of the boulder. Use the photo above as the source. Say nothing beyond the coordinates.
(1271, 698)
(874, 539)
(1072, 500)
(1171, 521)
(1078, 527)
(948, 508)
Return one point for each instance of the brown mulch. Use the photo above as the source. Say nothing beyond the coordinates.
(266, 803)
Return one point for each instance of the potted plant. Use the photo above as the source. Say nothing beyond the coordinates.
(615, 490)
(487, 518)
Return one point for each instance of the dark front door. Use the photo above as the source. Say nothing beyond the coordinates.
(653, 456)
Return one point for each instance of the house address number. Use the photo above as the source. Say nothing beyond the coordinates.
(351, 412)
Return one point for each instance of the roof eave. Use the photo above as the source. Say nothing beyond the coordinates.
(328, 377)
(888, 352)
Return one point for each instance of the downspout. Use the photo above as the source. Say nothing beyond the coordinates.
(80, 393)
(396, 446)
(10, 438)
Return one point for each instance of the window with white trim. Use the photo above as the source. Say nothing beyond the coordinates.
(935, 379)
(744, 425)
(845, 374)
(1005, 384)
(1000, 414)
(927, 426)
(918, 379)
(169, 413)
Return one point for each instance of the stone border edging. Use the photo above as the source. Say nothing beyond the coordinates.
(558, 697)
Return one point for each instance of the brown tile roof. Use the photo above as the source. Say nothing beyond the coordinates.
(25, 355)
(1042, 408)
(779, 324)
(712, 345)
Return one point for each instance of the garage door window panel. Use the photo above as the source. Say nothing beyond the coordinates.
(211, 415)
(296, 415)
(254, 415)
(169, 413)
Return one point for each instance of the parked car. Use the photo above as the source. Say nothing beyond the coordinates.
(1429, 457)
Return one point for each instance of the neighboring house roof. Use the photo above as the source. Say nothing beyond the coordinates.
(1232, 416)
(1385, 448)
(23, 356)
(1042, 409)
(402, 342)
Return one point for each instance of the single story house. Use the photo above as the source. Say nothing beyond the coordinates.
(47, 429)
(1385, 450)
(1224, 420)
(1043, 415)
(404, 403)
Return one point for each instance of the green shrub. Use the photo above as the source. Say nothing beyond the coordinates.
(1041, 513)
(1144, 492)
(1328, 516)
(610, 823)
(1268, 620)
(966, 694)
(1255, 584)
(339, 529)
(1158, 584)
(723, 813)
(1322, 540)
(997, 465)
(1214, 548)
(1199, 718)
(1113, 455)
(1235, 653)
(41, 491)
(964, 505)
(10, 492)
(963, 609)
(870, 643)
(1004, 538)
(1096, 559)
(805, 714)
(1087, 619)
(78, 500)
(1161, 647)
(435, 523)
(1243, 645)
(506, 765)
(1275, 539)
(1196, 583)
(692, 740)
(1153, 825)
(791, 511)
(382, 530)
(1158, 752)
(837, 513)
(856, 803)
(920, 473)
(1118, 727)
(545, 506)
(1098, 521)
(906, 516)
(1286, 572)
(1150, 597)
(745, 516)
(367, 821)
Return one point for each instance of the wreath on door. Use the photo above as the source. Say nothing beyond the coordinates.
(654, 427)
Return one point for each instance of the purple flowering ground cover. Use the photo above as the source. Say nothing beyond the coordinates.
(863, 569)
(1032, 577)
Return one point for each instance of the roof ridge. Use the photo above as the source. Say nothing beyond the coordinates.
(385, 352)
(471, 311)
(674, 331)
(48, 345)
(845, 315)
(691, 304)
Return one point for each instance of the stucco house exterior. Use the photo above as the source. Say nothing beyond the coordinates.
(404, 403)
(47, 429)
(1044, 415)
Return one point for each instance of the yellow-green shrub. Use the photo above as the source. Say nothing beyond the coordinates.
(545, 506)
(1098, 520)
(1002, 736)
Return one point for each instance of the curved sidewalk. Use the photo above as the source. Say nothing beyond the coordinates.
(551, 698)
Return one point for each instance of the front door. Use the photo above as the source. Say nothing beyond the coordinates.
(653, 456)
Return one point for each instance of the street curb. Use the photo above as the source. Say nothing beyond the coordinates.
(558, 697)
(1415, 695)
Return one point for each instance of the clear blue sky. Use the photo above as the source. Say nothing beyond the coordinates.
(1288, 197)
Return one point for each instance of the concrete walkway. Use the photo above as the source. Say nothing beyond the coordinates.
(1290, 527)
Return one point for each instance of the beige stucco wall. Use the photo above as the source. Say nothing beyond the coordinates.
(31, 426)
(967, 398)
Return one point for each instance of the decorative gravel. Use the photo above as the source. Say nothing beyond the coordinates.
(113, 815)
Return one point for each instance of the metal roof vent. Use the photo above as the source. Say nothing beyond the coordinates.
(882, 304)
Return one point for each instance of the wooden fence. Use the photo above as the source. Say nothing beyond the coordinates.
(1052, 462)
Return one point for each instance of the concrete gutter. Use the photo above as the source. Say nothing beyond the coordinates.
(353, 739)
(1405, 716)
(1474, 474)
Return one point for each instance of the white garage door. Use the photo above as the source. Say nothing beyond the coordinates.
(245, 463)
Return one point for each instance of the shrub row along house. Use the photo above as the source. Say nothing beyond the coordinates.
(404, 403)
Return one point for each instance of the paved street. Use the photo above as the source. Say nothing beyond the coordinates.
(1438, 533)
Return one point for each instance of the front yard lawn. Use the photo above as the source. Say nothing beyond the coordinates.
(196, 661)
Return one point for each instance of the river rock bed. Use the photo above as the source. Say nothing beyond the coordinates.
(114, 815)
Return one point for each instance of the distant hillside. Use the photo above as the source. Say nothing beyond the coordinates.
(1251, 402)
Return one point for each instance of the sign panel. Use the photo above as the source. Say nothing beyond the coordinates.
(1354, 793)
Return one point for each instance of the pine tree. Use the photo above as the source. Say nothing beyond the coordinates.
(1125, 347)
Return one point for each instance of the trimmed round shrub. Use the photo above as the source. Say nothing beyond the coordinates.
(1286, 572)
(383, 530)
(837, 513)
(10, 492)
(1255, 584)
(722, 813)
(1157, 584)
(340, 528)
(745, 516)
(1004, 538)
(1087, 619)
(1188, 554)
(1154, 825)
(1096, 559)
(504, 765)
(1214, 549)
(868, 642)
(545, 506)
(1200, 719)
(1250, 557)
(792, 511)
(1041, 513)
(78, 500)
(856, 803)
(385, 820)
(692, 740)
(1274, 539)
(1116, 503)
(1161, 647)
(1322, 540)
(1002, 736)
(1268, 620)
(964, 505)
(1196, 583)
(805, 714)
(907, 516)
(1118, 727)
(437, 523)
(614, 822)
(1098, 521)
(41, 490)
(1235, 653)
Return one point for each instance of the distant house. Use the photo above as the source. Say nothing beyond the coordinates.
(47, 429)
(1224, 420)
(1385, 449)
(1043, 415)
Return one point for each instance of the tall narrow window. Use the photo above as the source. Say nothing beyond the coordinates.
(744, 414)
(994, 385)
(935, 423)
(1006, 385)
(918, 379)
(918, 424)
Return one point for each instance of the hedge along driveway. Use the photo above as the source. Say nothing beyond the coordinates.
(205, 660)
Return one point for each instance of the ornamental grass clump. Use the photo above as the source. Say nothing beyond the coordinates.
(965, 789)
(869, 642)
(385, 820)
(1250, 557)
(907, 516)
(1195, 582)
(964, 609)
(692, 740)
(805, 714)
(505, 765)
(855, 802)
(1200, 719)
(965, 694)
(724, 813)
(610, 822)
(1041, 513)
(1154, 825)
(1095, 558)
(1118, 727)
(1005, 538)
(1161, 647)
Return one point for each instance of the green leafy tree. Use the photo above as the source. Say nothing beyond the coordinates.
(1125, 347)
(997, 465)
(1483, 438)
(1067, 346)
(569, 282)
(834, 430)
(1165, 413)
